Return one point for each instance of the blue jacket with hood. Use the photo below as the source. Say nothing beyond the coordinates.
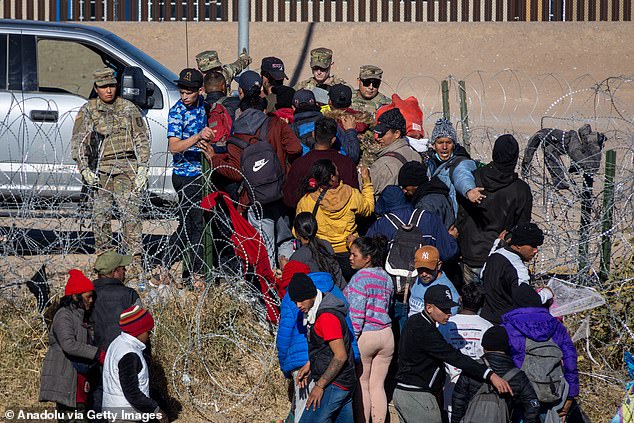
(291, 342)
(392, 200)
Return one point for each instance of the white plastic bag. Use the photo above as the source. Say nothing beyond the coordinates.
(571, 298)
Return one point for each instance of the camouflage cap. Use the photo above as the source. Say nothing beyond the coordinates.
(208, 60)
(370, 71)
(321, 57)
(104, 76)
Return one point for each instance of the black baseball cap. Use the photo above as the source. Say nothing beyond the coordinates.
(392, 119)
(274, 67)
(304, 98)
(340, 96)
(190, 78)
(440, 296)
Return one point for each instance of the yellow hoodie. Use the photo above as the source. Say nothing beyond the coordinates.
(337, 212)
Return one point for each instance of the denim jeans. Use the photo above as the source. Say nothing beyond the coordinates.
(336, 407)
(401, 310)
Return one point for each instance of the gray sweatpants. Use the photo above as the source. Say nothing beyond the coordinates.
(415, 407)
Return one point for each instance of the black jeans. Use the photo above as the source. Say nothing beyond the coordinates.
(186, 242)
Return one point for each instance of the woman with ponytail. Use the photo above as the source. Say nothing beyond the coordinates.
(335, 207)
(369, 294)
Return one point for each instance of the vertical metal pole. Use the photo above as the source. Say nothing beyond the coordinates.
(243, 25)
(464, 117)
(208, 241)
(606, 217)
(445, 100)
(584, 226)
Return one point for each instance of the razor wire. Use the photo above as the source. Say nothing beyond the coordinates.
(46, 219)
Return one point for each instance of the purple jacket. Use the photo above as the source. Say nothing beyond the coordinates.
(537, 324)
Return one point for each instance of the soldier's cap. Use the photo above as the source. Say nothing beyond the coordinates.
(303, 98)
(104, 76)
(190, 78)
(250, 82)
(274, 67)
(108, 261)
(440, 296)
(321, 95)
(208, 60)
(341, 96)
(392, 119)
(370, 72)
(320, 57)
(427, 257)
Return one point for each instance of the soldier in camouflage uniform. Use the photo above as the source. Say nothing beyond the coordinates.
(208, 61)
(111, 147)
(368, 98)
(321, 64)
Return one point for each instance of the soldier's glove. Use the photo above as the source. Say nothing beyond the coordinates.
(90, 178)
(141, 178)
(245, 58)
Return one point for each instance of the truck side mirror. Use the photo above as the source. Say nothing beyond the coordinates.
(135, 88)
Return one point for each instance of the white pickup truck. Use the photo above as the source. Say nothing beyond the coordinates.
(45, 77)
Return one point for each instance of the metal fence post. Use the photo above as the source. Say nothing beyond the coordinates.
(606, 217)
(464, 117)
(584, 225)
(445, 99)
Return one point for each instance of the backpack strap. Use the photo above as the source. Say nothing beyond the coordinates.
(391, 216)
(397, 156)
(321, 197)
(413, 217)
(241, 144)
(263, 130)
(511, 374)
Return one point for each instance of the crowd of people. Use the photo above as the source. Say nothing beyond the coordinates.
(399, 263)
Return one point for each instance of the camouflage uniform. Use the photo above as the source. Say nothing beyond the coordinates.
(373, 104)
(321, 57)
(208, 60)
(111, 140)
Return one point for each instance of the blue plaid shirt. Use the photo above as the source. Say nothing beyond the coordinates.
(183, 122)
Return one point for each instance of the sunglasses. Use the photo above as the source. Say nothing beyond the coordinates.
(375, 82)
(320, 69)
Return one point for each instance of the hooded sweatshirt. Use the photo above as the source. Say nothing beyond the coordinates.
(508, 202)
(433, 196)
(392, 200)
(337, 212)
(537, 324)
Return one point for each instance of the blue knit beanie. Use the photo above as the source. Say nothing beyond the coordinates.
(444, 129)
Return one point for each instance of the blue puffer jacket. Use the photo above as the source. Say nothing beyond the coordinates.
(461, 180)
(292, 346)
(392, 200)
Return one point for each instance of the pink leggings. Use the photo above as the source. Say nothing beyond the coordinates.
(376, 348)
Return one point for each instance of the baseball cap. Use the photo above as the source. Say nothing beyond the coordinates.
(440, 296)
(303, 98)
(104, 76)
(426, 256)
(392, 119)
(190, 78)
(108, 261)
(370, 72)
(274, 67)
(341, 96)
(250, 81)
(320, 57)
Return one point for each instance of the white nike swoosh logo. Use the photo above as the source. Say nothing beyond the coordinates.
(259, 164)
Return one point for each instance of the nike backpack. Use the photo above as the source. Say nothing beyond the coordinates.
(400, 257)
(542, 365)
(260, 166)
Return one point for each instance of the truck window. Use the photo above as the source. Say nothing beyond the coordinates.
(3, 61)
(66, 67)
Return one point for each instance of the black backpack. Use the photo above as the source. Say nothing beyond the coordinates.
(408, 239)
(260, 166)
(304, 132)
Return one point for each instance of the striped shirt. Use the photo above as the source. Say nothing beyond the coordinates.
(369, 294)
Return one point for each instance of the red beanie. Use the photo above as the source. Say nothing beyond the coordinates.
(290, 269)
(136, 320)
(78, 283)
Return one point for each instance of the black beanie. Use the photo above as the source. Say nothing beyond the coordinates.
(496, 339)
(506, 151)
(527, 234)
(301, 288)
(341, 96)
(284, 96)
(412, 174)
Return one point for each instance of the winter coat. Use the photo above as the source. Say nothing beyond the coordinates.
(524, 395)
(67, 340)
(433, 196)
(392, 200)
(291, 342)
(456, 173)
(112, 298)
(508, 202)
(304, 255)
(336, 215)
(384, 170)
(537, 324)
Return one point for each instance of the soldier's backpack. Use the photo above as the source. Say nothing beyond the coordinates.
(220, 121)
(400, 257)
(542, 365)
(487, 405)
(260, 166)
